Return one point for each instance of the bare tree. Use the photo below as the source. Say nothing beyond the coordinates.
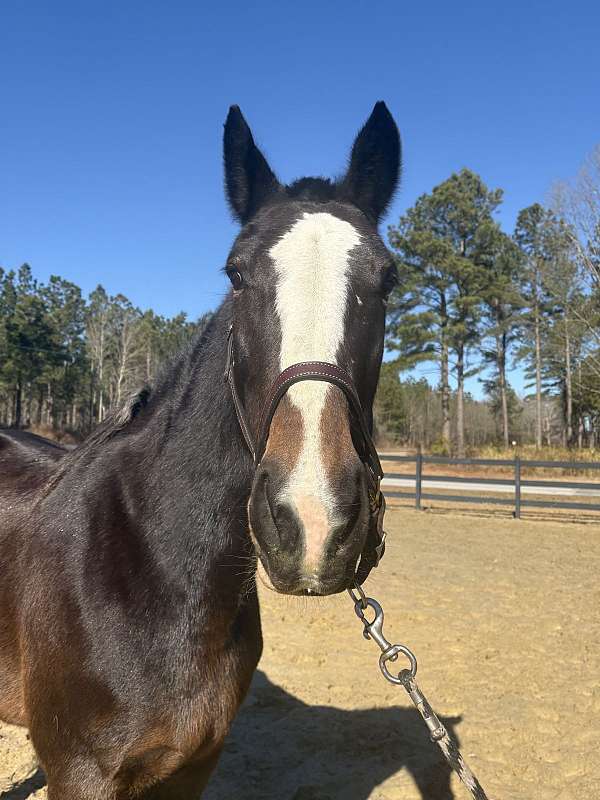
(577, 201)
(97, 334)
(126, 346)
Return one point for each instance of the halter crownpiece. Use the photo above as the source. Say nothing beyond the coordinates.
(330, 373)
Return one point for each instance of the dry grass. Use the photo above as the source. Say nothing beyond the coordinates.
(526, 453)
(491, 511)
(62, 437)
(532, 453)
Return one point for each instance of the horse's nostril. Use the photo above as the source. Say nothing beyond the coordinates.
(281, 511)
(340, 534)
(288, 525)
(274, 522)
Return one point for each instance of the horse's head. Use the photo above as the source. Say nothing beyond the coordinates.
(310, 277)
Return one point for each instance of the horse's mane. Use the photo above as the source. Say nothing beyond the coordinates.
(139, 400)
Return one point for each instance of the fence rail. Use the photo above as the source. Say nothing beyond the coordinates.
(516, 486)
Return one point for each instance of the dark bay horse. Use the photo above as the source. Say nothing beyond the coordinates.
(26, 461)
(129, 622)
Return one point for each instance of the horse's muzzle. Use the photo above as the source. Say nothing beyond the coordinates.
(303, 546)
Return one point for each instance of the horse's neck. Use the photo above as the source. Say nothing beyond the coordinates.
(184, 475)
(204, 471)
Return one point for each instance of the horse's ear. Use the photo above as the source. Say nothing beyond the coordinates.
(249, 180)
(374, 164)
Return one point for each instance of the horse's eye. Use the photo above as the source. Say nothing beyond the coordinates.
(390, 280)
(237, 281)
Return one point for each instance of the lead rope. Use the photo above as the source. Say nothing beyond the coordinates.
(406, 678)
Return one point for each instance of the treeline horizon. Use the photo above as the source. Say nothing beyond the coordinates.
(66, 361)
(471, 299)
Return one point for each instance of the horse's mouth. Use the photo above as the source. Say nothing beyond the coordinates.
(309, 586)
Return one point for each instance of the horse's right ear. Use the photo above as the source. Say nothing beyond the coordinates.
(249, 180)
(374, 168)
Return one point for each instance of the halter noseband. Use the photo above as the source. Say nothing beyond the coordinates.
(330, 373)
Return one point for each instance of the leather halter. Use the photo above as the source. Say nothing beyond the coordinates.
(330, 373)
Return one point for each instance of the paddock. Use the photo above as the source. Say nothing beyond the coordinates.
(504, 618)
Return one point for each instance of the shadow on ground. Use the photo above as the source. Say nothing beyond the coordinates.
(25, 788)
(280, 748)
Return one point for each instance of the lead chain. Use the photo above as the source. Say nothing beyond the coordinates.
(406, 678)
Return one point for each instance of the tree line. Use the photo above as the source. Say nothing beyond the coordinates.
(471, 300)
(66, 360)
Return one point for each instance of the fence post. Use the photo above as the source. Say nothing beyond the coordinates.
(517, 487)
(418, 476)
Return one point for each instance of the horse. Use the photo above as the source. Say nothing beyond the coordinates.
(25, 460)
(130, 624)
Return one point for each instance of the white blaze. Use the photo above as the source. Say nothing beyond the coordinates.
(311, 261)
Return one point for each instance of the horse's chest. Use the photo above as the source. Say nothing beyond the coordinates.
(208, 711)
(193, 722)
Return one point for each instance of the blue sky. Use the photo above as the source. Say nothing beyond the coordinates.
(111, 118)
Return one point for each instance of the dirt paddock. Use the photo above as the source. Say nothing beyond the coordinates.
(504, 618)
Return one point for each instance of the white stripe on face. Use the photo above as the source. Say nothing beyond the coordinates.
(311, 262)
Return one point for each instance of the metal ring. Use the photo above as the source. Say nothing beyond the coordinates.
(389, 655)
(362, 597)
(360, 610)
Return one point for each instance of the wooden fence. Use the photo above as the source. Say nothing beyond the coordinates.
(517, 486)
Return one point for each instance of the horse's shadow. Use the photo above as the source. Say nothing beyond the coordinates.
(282, 748)
(25, 788)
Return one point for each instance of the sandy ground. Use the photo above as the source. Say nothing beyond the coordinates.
(504, 618)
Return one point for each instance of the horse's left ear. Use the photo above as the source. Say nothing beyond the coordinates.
(249, 180)
(372, 177)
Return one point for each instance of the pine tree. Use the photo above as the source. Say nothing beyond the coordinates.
(544, 241)
(443, 250)
(502, 305)
(28, 343)
(390, 414)
(60, 401)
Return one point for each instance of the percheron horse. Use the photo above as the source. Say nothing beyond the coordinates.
(129, 624)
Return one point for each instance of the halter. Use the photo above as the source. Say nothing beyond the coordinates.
(330, 373)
